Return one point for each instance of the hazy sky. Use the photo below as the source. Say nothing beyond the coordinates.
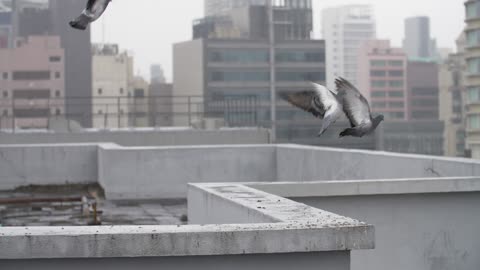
(148, 28)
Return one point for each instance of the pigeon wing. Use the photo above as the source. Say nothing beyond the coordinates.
(90, 4)
(304, 100)
(354, 103)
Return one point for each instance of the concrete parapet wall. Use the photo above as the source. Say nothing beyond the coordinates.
(144, 137)
(47, 165)
(304, 163)
(164, 172)
(420, 224)
(287, 230)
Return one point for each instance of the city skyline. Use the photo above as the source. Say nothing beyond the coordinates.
(157, 47)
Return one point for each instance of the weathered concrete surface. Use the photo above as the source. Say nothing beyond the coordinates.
(298, 229)
(304, 163)
(144, 137)
(164, 172)
(304, 261)
(415, 228)
(47, 165)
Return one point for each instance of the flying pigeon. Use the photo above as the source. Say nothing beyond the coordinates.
(321, 102)
(357, 110)
(91, 13)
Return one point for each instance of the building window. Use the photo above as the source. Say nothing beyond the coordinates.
(57, 75)
(100, 91)
(5, 75)
(396, 104)
(122, 112)
(379, 83)
(378, 94)
(239, 56)
(473, 94)
(5, 112)
(396, 94)
(121, 91)
(30, 75)
(379, 104)
(58, 112)
(57, 93)
(473, 121)
(378, 63)
(473, 66)
(239, 76)
(395, 63)
(292, 56)
(285, 76)
(378, 73)
(395, 84)
(473, 10)
(5, 94)
(55, 59)
(424, 91)
(395, 73)
(100, 112)
(473, 37)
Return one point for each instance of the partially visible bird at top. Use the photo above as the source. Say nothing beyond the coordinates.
(93, 11)
(320, 101)
(357, 109)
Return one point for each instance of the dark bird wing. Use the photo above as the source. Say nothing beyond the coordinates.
(354, 103)
(304, 101)
(90, 4)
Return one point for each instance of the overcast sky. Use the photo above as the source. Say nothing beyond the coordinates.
(148, 28)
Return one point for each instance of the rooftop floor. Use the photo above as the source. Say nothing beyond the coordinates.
(71, 214)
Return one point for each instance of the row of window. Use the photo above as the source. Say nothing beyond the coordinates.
(32, 75)
(473, 94)
(473, 66)
(383, 104)
(263, 56)
(473, 37)
(32, 113)
(263, 76)
(390, 94)
(394, 84)
(100, 91)
(31, 94)
(383, 73)
(384, 63)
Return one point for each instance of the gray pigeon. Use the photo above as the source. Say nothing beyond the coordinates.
(357, 110)
(91, 13)
(321, 102)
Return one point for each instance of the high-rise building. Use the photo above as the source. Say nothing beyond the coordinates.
(292, 21)
(112, 74)
(345, 29)
(418, 43)
(32, 84)
(452, 96)
(78, 60)
(423, 91)
(5, 25)
(472, 82)
(216, 7)
(157, 75)
(382, 75)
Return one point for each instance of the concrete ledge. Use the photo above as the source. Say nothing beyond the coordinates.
(371, 187)
(299, 229)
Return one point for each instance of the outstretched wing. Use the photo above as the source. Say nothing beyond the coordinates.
(354, 103)
(304, 100)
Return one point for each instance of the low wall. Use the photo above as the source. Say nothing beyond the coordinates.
(292, 235)
(303, 163)
(47, 165)
(420, 224)
(164, 172)
(144, 137)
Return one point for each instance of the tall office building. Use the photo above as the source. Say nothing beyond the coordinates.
(292, 21)
(472, 82)
(216, 7)
(345, 29)
(78, 60)
(417, 43)
(157, 75)
(382, 75)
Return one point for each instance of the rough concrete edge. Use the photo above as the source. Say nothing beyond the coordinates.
(303, 229)
(370, 187)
